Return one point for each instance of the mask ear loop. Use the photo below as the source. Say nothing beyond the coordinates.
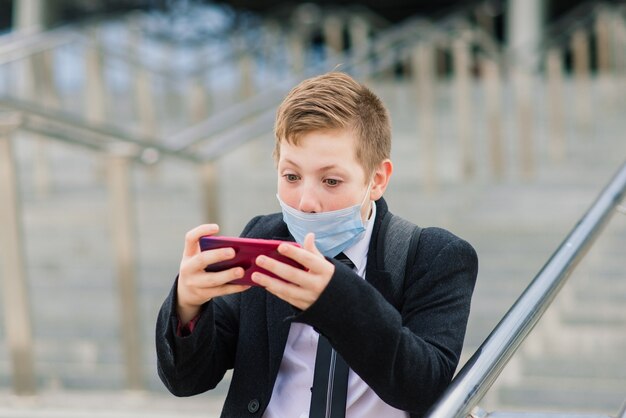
(367, 192)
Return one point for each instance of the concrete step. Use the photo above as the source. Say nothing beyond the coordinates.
(108, 404)
(584, 368)
(561, 394)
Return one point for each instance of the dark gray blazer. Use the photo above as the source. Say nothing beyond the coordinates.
(407, 355)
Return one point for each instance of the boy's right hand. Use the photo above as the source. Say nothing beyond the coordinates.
(196, 286)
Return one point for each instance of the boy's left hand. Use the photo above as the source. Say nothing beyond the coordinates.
(300, 288)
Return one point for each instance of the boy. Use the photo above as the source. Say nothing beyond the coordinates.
(333, 142)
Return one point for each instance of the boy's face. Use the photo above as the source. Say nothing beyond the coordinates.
(322, 174)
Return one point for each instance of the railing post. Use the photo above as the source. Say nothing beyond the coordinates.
(523, 90)
(95, 95)
(208, 176)
(270, 41)
(144, 103)
(554, 69)
(48, 95)
(491, 75)
(122, 218)
(198, 89)
(423, 74)
(15, 290)
(602, 27)
(462, 75)
(619, 51)
(359, 36)
(580, 51)
(296, 45)
(198, 95)
(333, 34)
(246, 66)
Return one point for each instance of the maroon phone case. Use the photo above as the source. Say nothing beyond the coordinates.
(246, 251)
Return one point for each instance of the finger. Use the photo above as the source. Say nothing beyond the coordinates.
(217, 279)
(206, 258)
(192, 237)
(276, 286)
(205, 295)
(309, 257)
(229, 289)
(290, 293)
(282, 270)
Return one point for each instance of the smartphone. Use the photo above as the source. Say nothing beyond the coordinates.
(246, 252)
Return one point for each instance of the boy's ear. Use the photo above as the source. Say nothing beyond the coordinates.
(382, 174)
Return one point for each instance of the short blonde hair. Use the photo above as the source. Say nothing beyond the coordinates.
(336, 101)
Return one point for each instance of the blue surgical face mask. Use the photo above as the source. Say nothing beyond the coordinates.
(334, 231)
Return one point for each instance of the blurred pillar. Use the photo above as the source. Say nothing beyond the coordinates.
(582, 76)
(209, 184)
(333, 34)
(29, 15)
(423, 66)
(45, 93)
(463, 98)
(524, 31)
(15, 290)
(297, 51)
(523, 90)
(602, 29)
(95, 89)
(36, 15)
(359, 29)
(554, 68)
(492, 82)
(125, 246)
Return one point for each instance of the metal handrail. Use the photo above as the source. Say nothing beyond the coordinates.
(482, 369)
(255, 108)
(68, 128)
(21, 46)
(622, 411)
(14, 47)
(387, 42)
(396, 37)
(24, 46)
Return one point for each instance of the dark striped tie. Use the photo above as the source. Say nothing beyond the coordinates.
(330, 378)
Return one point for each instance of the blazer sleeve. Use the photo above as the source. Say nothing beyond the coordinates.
(196, 363)
(407, 357)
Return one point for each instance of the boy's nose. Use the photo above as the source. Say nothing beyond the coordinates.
(309, 202)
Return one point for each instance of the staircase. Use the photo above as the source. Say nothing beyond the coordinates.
(573, 361)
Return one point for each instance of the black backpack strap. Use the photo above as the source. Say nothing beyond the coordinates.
(401, 238)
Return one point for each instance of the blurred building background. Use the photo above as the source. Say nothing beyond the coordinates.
(123, 124)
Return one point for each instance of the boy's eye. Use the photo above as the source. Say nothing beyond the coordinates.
(332, 182)
(291, 177)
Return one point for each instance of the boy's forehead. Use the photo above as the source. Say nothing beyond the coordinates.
(321, 150)
(338, 143)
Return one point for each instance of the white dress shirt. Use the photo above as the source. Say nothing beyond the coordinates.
(291, 397)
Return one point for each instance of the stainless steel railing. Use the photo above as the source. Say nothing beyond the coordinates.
(482, 369)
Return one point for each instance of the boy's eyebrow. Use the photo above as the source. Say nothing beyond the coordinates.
(325, 168)
(288, 161)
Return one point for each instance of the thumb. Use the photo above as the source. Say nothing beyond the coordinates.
(309, 244)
